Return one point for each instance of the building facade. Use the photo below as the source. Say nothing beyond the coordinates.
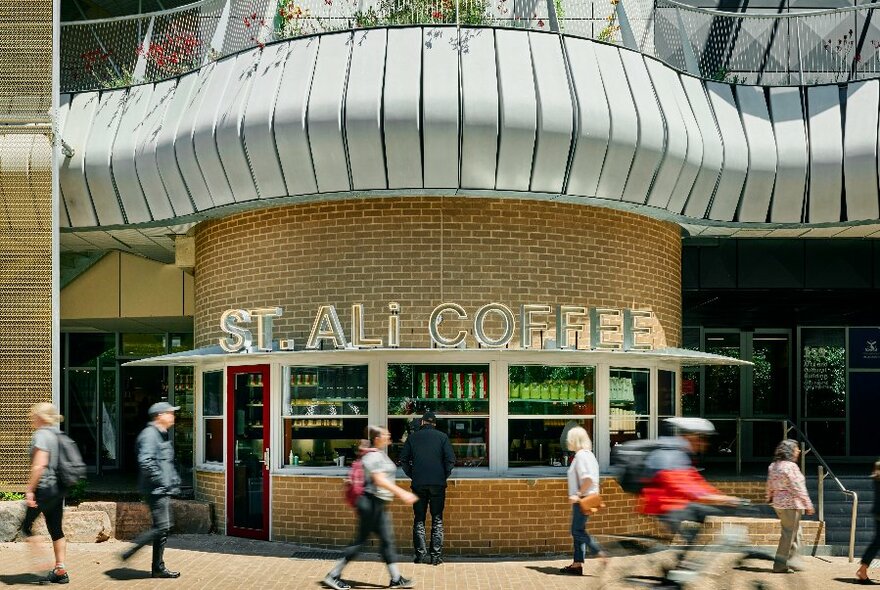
(298, 220)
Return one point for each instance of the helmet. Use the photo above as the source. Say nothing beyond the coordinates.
(691, 425)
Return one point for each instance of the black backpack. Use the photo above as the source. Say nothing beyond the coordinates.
(70, 468)
(628, 460)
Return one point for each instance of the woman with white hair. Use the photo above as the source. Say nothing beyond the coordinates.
(583, 480)
(787, 493)
(42, 492)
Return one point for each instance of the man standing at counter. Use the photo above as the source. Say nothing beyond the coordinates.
(427, 459)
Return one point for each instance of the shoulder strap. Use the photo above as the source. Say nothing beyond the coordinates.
(53, 457)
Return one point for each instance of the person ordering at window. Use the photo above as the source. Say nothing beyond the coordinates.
(427, 459)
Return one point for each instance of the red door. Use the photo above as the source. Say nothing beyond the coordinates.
(247, 453)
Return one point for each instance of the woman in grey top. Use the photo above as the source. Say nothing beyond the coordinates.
(583, 480)
(373, 517)
(43, 494)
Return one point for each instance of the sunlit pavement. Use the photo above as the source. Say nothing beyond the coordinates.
(217, 562)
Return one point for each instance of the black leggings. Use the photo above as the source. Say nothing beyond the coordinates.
(372, 518)
(53, 511)
(874, 547)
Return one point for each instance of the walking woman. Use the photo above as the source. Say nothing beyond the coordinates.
(787, 493)
(874, 547)
(583, 480)
(43, 494)
(373, 517)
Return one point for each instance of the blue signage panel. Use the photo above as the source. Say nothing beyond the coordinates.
(864, 348)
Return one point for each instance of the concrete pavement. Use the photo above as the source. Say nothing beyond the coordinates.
(219, 563)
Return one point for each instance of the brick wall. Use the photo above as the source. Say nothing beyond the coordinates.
(422, 251)
(210, 486)
(482, 516)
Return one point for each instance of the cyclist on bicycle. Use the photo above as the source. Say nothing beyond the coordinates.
(674, 490)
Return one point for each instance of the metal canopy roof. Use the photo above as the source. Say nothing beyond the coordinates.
(215, 354)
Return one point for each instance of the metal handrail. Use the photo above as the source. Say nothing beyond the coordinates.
(824, 470)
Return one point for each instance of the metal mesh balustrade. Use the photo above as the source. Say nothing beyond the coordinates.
(787, 48)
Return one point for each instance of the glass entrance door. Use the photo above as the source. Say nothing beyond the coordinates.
(247, 471)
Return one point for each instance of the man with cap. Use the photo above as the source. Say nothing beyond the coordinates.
(158, 482)
(427, 459)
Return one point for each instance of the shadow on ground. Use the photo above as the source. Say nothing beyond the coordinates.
(16, 579)
(856, 581)
(127, 573)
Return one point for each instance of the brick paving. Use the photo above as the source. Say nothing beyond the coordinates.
(219, 563)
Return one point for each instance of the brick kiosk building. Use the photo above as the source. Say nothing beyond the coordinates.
(396, 204)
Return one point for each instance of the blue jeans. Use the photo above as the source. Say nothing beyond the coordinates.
(582, 539)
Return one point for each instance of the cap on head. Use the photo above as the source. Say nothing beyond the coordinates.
(161, 408)
(429, 416)
(691, 425)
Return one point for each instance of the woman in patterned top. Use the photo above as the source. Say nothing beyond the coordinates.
(787, 493)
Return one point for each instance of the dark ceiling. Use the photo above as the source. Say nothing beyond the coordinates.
(73, 10)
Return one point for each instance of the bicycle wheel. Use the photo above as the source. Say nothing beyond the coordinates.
(754, 571)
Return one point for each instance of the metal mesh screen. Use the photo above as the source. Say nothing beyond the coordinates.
(25, 293)
(25, 228)
(25, 58)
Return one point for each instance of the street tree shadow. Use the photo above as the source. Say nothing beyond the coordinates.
(127, 573)
(16, 579)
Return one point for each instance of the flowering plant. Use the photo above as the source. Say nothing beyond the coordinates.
(174, 54)
(98, 64)
(292, 20)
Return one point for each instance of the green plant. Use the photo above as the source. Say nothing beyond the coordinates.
(366, 19)
(722, 74)
(607, 33)
(78, 492)
(560, 13)
(292, 20)
(10, 496)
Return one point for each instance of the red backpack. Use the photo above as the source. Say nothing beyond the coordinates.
(354, 485)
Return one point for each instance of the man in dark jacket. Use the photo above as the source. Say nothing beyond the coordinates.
(427, 459)
(158, 482)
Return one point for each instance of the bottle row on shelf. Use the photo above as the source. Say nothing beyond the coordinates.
(573, 391)
(451, 385)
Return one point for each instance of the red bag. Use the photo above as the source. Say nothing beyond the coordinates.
(355, 483)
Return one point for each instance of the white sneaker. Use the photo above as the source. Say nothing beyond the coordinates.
(335, 583)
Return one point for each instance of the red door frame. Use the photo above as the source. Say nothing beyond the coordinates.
(231, 373)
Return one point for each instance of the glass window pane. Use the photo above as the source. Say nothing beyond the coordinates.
(109, 418)
(665, 393)
(823, 372)
(326, 391)
(829, 436)
(469, 438)
(181, 342)
(690, 391)
(214, 440)
(630, 391)
(85, 349)
(320, 442)
(444, 389)
(538, 441)
(770, 389)
(143, 344)
(541, 390)
(212, 393)
(627, 427)
(722, 382)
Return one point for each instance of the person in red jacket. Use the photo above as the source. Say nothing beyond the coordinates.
(675, 492)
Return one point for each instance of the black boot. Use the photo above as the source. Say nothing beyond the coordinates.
(421, 554)
(159, 570)
(436, 539)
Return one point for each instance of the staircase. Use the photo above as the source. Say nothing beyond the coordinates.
(838, 512)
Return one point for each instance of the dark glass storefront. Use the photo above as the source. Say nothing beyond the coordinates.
(105, 404)
(803, 312)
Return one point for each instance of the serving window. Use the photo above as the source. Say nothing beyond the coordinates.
(544, 402)
(457, 394)
(324, 414)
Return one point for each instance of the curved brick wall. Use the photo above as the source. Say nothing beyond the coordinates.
(422, 251)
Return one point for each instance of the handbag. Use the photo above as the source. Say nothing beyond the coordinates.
(591, 504)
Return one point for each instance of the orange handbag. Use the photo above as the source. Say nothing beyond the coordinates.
(591, 504)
